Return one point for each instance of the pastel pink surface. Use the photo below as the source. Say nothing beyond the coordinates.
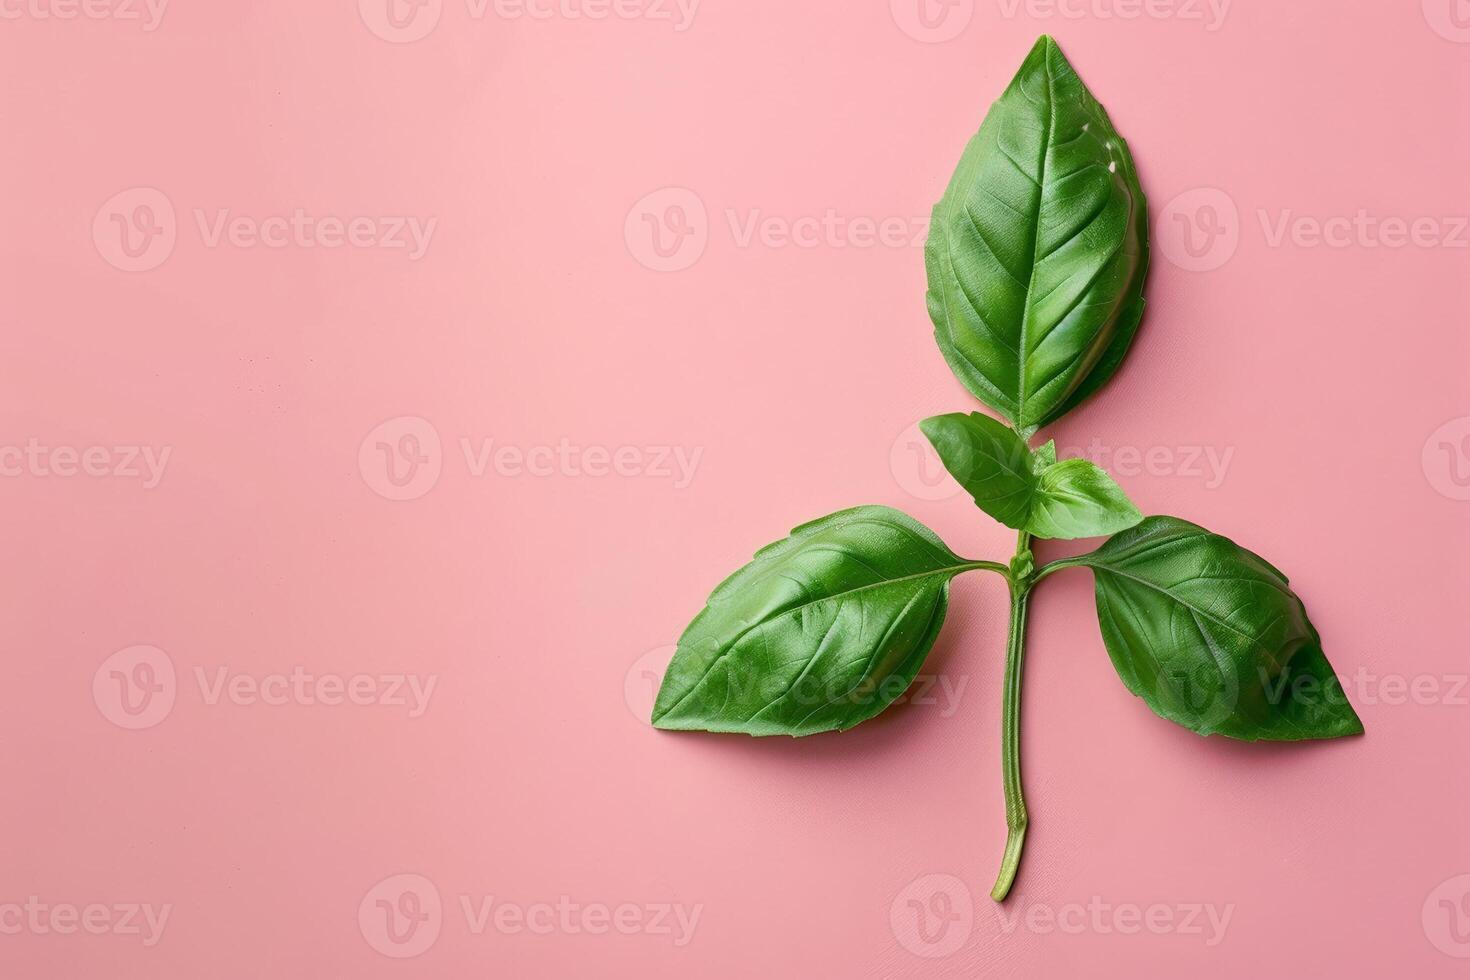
(1316, 375)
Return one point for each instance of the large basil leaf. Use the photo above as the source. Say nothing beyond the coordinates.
(1033, 492)
(821, 631)
(1038, 250)
(1210, 636)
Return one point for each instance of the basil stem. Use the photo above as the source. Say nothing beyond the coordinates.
(1021, 580)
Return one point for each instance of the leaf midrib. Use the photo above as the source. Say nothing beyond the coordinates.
(950, 571)
(1255, 641)
(1025, 351)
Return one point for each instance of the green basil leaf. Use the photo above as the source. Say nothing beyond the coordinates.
(1044, 456)
(1038, 250)
(989, 460)
(820, 632)
(1025, 490)
(1077, 499)
(1211, 636)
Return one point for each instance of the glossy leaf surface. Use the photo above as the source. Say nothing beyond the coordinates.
(819, 632)
(1075, 498)
(1038, 249)
(1211, 636)
(989, 460)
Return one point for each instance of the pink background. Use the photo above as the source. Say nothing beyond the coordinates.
(542, 602)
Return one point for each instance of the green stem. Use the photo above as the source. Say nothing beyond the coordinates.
(1058, 565)
(1010, 746)
(989, 566)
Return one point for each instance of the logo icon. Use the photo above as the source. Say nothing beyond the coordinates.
(640, 686)
(932, 21)
(917, 468)
(400, 21)
(1210, 693)
(1199, 230)
(933, 916)
(667, 230)
(1446, 459)
(1450, 19)
(402, 458)
(401, 915)
(135, 687)
(135, 230)
(1446, 917)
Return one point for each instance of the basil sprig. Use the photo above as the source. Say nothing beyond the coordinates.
(1036, 261)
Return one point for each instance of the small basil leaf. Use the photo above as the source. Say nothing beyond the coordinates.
(1044, 456)
(1211, 636)
(1077, 499)
(989, 460)
(820, 632)
(1038, 250)
(1025, 490)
